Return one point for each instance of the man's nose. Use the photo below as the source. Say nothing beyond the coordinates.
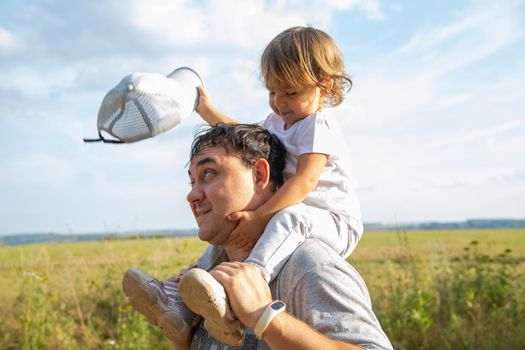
(195, 194)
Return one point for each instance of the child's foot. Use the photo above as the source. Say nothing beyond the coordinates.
(160, 302)
(206, 297)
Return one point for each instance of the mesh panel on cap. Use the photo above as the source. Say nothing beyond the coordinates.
(110, 109)
(143, 105)
(146, 115)
(130, 126)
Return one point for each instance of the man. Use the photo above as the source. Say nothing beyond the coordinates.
(327, 302)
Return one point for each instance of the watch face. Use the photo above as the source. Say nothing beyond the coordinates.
(277, 305)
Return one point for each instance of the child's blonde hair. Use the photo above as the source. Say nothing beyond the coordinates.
(303, 57)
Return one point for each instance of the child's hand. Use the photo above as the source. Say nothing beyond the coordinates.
(250, 228)
(205, 105)
(207, 110)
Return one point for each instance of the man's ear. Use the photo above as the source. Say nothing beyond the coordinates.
(261, 174)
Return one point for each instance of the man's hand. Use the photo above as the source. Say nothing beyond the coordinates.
(248, 231)
(248, 292)
(249, 295)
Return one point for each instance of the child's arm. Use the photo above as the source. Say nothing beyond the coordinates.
(207, 110)
(294, 191)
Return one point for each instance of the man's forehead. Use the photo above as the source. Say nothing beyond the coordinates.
(216, 154)
(207, 152)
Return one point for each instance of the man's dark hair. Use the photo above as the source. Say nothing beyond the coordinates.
(250, 141)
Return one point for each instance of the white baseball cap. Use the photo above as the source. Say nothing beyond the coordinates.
(143, 105)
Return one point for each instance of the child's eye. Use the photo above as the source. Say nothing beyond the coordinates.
(291, 93)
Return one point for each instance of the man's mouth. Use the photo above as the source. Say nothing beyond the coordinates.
(200, 213)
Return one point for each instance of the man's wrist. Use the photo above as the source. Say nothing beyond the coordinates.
(270, 312)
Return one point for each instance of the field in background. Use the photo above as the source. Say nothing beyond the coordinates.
(459, 289)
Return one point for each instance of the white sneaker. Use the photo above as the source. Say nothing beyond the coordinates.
(160, 302)
(206, 297)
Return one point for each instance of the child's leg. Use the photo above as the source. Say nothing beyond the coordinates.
(212, 256)
(290, 227)
(207, 297)
(352, 234)
(161, 302)
(202, 295)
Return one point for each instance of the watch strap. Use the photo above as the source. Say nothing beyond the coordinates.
(272, 310)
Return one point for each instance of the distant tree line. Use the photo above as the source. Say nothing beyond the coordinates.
(462, 225)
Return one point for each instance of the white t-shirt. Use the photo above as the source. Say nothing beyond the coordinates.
(321, 133)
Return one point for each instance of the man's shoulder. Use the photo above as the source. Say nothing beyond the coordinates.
(315, 262)
(326, 292)
(311, 247)
(312, 255)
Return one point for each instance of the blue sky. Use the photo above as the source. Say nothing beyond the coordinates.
(435, 121)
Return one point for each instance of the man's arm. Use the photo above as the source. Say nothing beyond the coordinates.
(181, 344)
(249, 295)
(287, 332)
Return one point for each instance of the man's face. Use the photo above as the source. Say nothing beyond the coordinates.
(220, 185)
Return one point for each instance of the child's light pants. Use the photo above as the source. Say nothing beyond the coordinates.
(287, 229)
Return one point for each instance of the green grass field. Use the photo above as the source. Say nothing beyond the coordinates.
(430, 289)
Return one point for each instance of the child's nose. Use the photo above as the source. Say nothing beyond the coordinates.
(279, 100)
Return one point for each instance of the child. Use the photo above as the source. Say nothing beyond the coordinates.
(304, 73)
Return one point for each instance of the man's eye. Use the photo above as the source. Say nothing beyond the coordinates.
(207, 175)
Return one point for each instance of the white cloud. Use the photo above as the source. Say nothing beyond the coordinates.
(230, 24)
(370, 7)
(39, 170)
(430, 130)
(223, 25)
(178, 22)
(39, 83)
(415, 79)
(9, 43)
(379, 98)
(482, 31)
(462, 137)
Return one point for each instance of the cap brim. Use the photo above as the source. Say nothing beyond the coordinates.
(189, 80)
(186, 77)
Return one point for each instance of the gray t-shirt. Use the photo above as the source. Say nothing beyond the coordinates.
(323, 290)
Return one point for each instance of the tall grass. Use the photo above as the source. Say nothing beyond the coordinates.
(69, 296)
(426, 295)
(469, 301)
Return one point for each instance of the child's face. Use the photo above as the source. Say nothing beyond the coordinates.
(294, 104)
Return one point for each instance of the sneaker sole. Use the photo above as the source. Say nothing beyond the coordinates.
(144, 299)
(196, 289)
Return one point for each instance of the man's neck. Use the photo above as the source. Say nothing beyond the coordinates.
(234, 253)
